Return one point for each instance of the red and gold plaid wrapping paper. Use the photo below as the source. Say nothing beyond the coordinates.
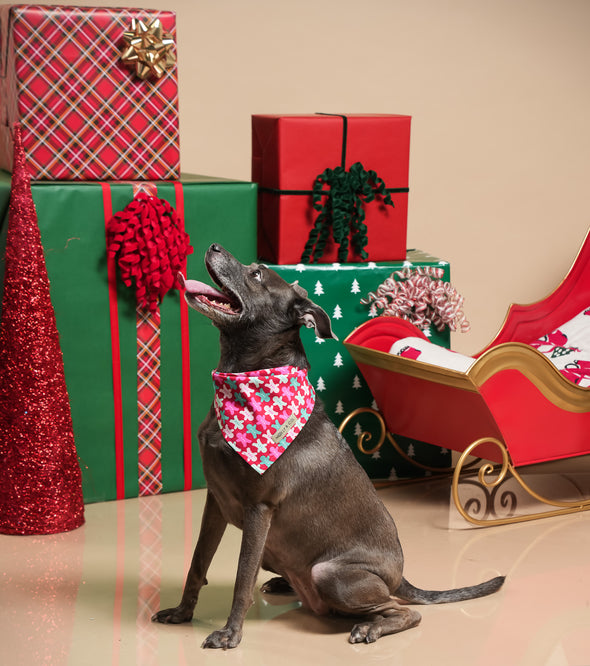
(149, 410)
(85, 115)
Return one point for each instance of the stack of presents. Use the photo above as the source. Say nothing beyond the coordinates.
(94, 91)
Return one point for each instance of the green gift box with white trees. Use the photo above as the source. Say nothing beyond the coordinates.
(339, 290)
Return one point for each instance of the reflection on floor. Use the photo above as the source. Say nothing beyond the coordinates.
(86, 597)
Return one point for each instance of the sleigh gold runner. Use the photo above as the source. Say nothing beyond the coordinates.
(497, 496)
(366, 436)
(488, 495)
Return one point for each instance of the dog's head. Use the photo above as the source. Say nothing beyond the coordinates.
(252, 296)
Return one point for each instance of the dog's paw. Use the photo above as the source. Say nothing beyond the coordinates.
(278, 585)
(176, 615)
(365, 632)
(223, 639)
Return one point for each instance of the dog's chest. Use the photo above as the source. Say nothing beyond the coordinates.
(221, 482)
(233, 484)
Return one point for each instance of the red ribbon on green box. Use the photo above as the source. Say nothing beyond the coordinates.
(149, 239)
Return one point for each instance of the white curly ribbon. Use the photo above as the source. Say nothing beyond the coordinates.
(421, 297)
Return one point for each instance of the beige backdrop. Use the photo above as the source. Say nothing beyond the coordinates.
(500, 98)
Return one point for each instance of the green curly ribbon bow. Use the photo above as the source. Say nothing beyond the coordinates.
(343, 212)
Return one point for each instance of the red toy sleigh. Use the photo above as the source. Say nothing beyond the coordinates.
(512, 406)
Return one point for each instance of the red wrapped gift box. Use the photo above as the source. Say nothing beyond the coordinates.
(84, 114)
(290, 151)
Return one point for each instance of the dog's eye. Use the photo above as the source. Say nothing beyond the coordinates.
(256, 275)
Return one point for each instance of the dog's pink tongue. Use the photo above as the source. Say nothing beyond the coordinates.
(195, 287)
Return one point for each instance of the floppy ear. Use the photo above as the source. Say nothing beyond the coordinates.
(311, 315)
(299, 290)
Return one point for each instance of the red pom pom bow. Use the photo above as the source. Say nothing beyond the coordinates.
(152, 246)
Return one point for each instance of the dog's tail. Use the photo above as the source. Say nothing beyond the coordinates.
(414, 595)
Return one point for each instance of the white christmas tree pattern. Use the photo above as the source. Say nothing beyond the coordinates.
(300, 268)
(339, 407)
(321, 385)
(355, 287)
(319, 340)
(393, 475)
(337, 312)
(338, 362)
(356, 382)
(318, 289)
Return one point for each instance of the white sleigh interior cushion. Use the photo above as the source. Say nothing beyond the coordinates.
(427, 352)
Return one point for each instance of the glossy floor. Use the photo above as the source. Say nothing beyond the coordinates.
(86, 597)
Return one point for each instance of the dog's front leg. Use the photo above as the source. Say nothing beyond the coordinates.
(257, 521)
(213, 526)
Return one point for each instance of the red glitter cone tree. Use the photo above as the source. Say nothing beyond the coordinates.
(40, 479)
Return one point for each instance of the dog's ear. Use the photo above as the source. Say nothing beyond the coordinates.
(299, 290)
(311, 315)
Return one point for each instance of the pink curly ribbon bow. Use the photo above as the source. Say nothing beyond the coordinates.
(421, 297)
(152, 246)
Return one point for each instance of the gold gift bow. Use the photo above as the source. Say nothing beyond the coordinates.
(148, 49)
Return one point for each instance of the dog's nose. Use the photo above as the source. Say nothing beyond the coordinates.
(215, 248)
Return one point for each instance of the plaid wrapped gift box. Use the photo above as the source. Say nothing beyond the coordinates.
(84, 114)
(342, 154)
(338, 382)
(108, 390)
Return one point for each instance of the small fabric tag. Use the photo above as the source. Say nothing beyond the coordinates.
(261, 412)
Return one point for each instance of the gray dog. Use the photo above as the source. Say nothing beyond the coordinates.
(285, 476)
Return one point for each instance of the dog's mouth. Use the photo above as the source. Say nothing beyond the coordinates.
(199, 294)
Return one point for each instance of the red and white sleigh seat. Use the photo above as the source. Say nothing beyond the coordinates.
(511, 404)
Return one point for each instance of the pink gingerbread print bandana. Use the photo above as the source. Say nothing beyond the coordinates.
(261, 412)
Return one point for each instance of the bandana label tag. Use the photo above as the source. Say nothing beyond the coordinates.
(284, 429)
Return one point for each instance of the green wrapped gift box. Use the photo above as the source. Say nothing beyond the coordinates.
(71, 219)
(338, 289)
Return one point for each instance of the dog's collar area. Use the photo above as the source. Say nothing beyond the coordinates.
(261, 412)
